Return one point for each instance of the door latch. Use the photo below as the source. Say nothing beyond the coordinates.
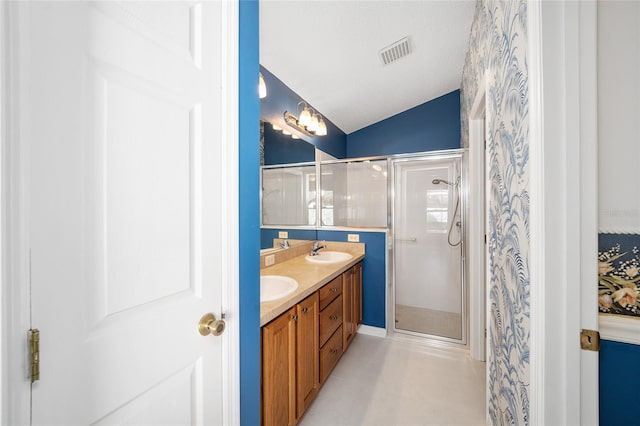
(590, 340)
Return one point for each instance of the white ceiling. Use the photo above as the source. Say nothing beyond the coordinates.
(328, 53)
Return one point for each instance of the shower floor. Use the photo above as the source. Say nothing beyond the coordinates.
(429, 321)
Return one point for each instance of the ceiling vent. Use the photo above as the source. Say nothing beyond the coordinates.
(395, 51)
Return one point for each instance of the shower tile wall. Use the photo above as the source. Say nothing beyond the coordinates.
(498, 52)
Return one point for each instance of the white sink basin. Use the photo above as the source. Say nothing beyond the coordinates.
(329, 257)
(273, 287)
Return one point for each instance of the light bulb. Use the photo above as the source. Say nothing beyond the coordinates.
(262, 87)
(305, 117)
(313, 126)
(275, 127)
(322, 128)
(286, 132)
(295, 137)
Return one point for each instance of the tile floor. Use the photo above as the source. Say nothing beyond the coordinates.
(398, 381)
(429, 321)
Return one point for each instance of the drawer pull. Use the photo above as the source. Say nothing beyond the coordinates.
(334, 317)
(335, 290)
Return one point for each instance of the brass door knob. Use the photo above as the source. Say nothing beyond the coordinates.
(209, 325)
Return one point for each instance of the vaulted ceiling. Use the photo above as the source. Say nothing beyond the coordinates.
(328, 52)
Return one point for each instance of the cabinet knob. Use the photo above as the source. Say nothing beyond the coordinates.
(305, 310)
(335, 290)
(334, 351)
(294, 317)
(334, 317)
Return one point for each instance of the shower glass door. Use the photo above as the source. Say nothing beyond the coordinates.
(427, 248)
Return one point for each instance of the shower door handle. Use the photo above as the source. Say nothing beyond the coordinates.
(411, 240)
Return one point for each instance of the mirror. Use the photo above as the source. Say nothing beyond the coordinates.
(277, 148)
(289, 195)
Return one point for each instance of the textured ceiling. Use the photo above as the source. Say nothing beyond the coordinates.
(328, 53)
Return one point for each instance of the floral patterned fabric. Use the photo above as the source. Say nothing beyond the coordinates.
(619, 274)
(497, 59)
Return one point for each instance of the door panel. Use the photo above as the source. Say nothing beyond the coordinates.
(124, 248)
(429, 293)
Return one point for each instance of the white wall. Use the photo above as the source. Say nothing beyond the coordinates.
(619, 116)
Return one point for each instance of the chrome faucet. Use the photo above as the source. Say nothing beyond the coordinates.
(316, 247)
(284, 244)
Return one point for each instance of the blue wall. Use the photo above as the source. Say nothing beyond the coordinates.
(373, 268)
(282, 149)
(432, 126)
(281, 98)
(619, 379)
(249, 219)
(373, 273)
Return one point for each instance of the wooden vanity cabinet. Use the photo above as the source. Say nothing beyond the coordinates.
(279, 370)
(290, 363)
(352, 306)
(301, 347)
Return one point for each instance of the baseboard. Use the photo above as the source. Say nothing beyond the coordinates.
(372, 331)
(619, 328)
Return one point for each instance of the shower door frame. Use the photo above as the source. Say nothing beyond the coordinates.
(391, 270)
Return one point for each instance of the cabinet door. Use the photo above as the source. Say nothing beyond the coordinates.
(347, 315)
(279, 370)
(308, 381)
(357, 280)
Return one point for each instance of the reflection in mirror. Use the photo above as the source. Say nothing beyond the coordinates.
(278, 148)
(354, 193)
(289, 195)
(282, 244)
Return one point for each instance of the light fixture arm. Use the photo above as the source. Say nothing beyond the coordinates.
(292, 121)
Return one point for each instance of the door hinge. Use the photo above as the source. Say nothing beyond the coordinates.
(34, 347)
(590, 340)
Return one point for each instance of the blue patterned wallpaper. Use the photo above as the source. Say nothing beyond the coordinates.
(497, 51)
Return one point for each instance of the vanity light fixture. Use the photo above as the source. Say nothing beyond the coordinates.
(309, 121)
(262, 87)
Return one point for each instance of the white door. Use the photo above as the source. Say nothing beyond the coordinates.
(120, 110)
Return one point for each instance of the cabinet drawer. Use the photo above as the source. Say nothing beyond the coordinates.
(330, 292)
(330, 354)
(330, 319)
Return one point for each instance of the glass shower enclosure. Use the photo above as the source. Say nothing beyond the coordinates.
(427, 223)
